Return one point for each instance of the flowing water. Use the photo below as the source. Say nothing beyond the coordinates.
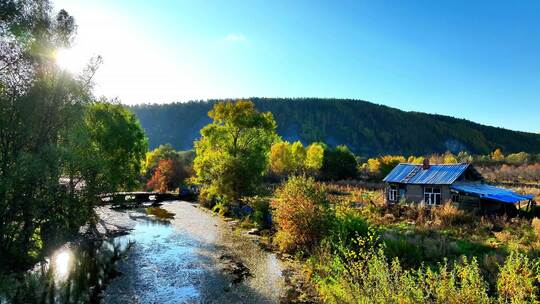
(194, 258)
(191, 256)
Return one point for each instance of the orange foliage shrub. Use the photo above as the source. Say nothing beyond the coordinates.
(301, 214)
(162, 176)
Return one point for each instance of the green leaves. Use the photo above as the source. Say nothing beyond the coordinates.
(231, 155)
(117, 139)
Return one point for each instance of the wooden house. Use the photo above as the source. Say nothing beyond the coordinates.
(440, 183)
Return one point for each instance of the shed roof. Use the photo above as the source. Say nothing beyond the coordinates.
(436, 174)
(492, 192)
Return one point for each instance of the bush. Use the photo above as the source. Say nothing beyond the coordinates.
(518, 279)
(261, 211)
(365, 275)
(208, 197)
(448, 215)
(301, 214)
(347, 224)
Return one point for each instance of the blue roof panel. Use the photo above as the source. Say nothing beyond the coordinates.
(435, 174)
(492, 192)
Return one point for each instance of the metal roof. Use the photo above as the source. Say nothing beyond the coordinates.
(436, 174)
(492, 192)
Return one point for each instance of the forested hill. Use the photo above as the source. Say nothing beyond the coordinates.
(367, 128)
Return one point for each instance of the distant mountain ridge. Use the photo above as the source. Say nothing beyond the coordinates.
(366, 128)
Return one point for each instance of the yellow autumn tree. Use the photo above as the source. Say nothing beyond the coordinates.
(449, 158)
(497, 155)
(415, 160)
(314, 157)
(281, 158)
(298, 157)
(373, 165)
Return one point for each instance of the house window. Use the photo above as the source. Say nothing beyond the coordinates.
(393, 193)
(432, 195)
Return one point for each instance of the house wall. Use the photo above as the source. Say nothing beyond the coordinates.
(445, 194)
(415, 193)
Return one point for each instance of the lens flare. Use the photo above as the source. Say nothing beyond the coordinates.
(62, 263)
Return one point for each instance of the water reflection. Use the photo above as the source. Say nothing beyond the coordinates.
(73, 274)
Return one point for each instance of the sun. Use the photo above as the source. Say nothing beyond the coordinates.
(70, 60)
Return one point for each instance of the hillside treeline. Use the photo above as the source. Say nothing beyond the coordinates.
(366, 128)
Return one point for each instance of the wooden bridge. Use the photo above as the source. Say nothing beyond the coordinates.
(136, 199)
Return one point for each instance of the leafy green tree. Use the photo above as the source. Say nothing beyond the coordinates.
(117, 139)
(518, 158)
(232, 154)
(339, 163)
(40, 108)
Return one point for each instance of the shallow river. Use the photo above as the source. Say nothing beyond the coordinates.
(194, 258)
(191, 256)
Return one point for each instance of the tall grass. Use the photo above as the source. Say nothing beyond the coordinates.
(366, 275)
(370, 252)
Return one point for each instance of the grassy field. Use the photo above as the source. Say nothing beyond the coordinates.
(412, 238)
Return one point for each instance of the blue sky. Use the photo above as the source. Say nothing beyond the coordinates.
(477, 60)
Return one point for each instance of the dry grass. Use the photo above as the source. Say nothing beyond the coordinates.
(447, 215)
(536, 226)
(517, 232)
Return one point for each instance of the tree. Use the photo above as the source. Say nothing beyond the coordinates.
(281, 158)
(415, 160)
(374, 165)
(449, 158)
(153, 157)
(389, 162)
(299, 157)
(116, 138)
(338, 163)
(40, 108)
(464, 157)
(162, 178)
(182, 163)
(232, 154)
(520, 158)
(286, 158)
(314, 157)
(497, 155)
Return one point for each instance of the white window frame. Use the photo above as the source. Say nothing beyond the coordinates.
(393, 193)
(432, 195)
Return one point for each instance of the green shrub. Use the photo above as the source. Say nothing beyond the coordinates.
(366, 275)
(347, 224)
(221, 208)
(301, 214)
(261, 211)
(518, 279)
(209, 197)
